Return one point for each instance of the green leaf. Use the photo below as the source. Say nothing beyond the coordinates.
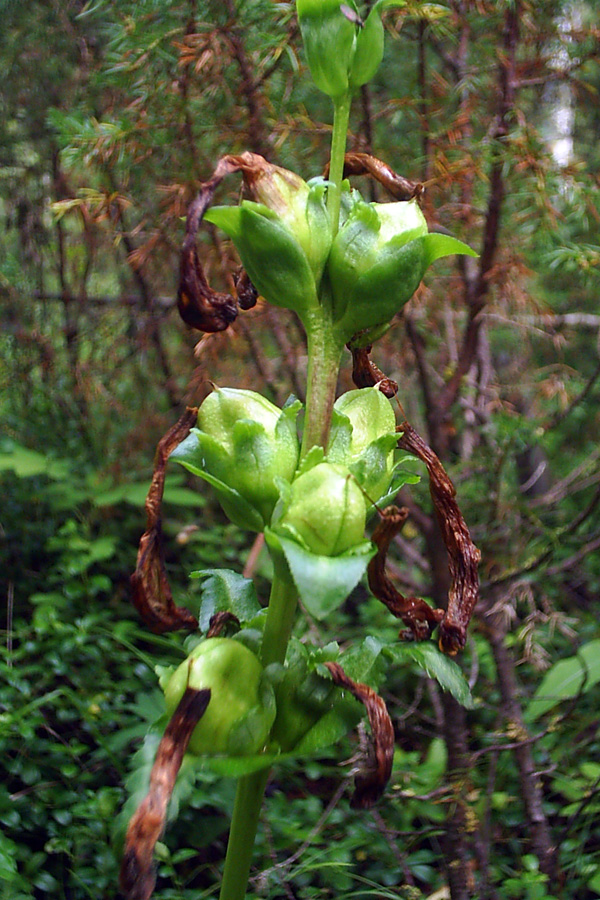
(400, 477)
(363, 662)
(27, 463)
(440, 245)
(340, 437)
(323, 582)
(8, 863)
(566, 679)
(233, 766)
(225, 591)
(274, 260)
(314, 456)
(445, 671)
(594, 882)
(331, 728)
(238, 510)
(368, 52)
(372, 469)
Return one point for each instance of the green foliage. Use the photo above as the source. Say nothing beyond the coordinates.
(566, 679)
(65, 733)
(323, 582)
(445, 671)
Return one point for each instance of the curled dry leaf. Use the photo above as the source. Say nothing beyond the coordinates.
(366, 374)
(151, 593)
(463, 555)
(137, 876)
(371, 780)
(220, 621)
(416, 614)
(199, 305)
(364, 164)
(246, 292)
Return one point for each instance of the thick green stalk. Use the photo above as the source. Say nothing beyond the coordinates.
(341, 117)
(280, 614)
(324, 354)
(251, 788)
(244, 822)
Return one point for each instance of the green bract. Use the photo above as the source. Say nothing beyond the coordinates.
(342, 51)
(363, 437)
(241, 710)
(325, 511)
(243, 445)
(284, 239)
(377, 261)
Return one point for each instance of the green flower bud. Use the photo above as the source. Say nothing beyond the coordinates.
(342, 51)
(284, 239)
(329, 42)
(300, 206)
(241, 710)
(371, 416)
(243, 445)
(378, 260)
(363, 437)
(325, 511)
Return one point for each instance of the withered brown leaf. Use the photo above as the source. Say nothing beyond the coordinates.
(371, 780)
(463, 555)
(220, 622)
(364, 164)
(416, 614)
(151, 593)
(246, 292)
(137, 877)
(199, 305)
(366, 374)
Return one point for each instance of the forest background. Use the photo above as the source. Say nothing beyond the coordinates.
(112, 113)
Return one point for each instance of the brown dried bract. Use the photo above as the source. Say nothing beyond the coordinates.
(364, 164)
(198, 304)
(371, 781)
(416, 614)
(246, 292)
(137, 876)
(151, 592)
(463, 555)
(220, 621)
(366, 374)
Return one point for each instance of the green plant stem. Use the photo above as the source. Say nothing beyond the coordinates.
(251, 788)
(280, 613)
(244, 822)
(341, 117)
(324, 354)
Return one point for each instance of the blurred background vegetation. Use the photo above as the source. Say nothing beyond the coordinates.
(112, 113)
